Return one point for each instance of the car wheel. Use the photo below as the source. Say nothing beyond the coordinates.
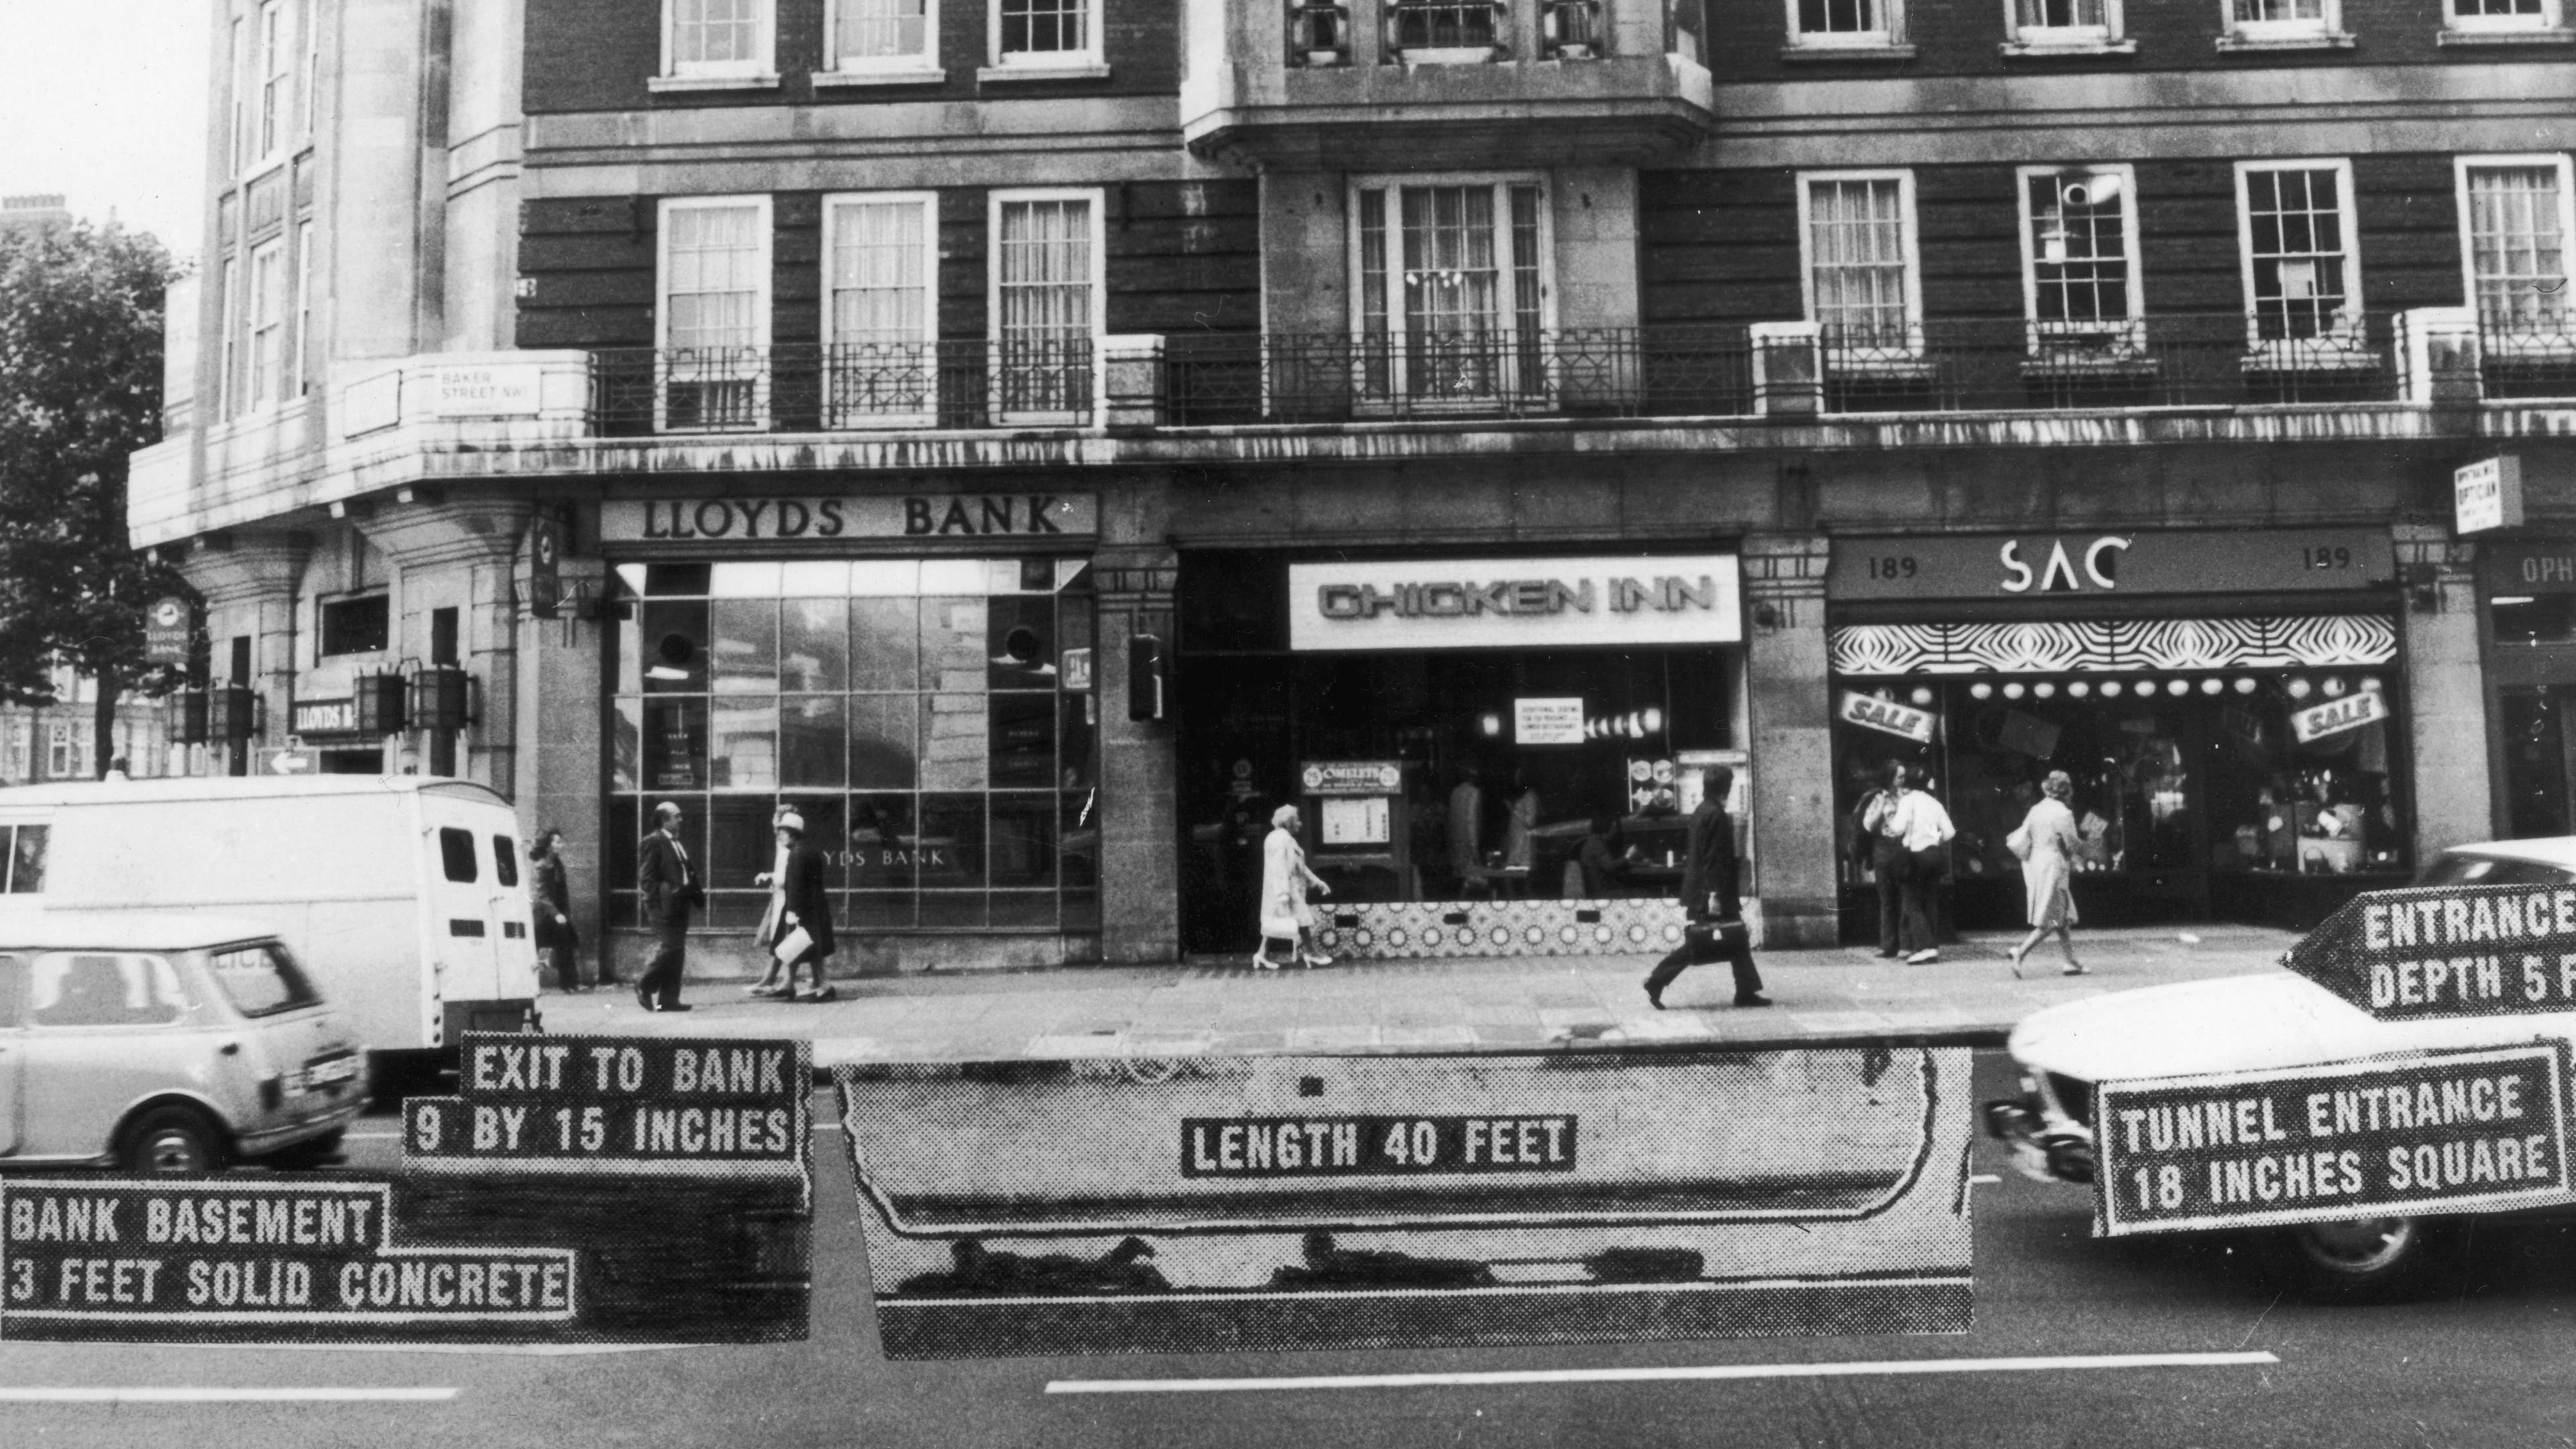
(2361, 1260)
(173, 1139)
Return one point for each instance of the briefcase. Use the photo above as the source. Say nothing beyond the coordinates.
(1715, 940)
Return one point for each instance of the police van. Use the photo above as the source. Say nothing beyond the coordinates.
(400, 896)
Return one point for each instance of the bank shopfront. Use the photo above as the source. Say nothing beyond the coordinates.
(1492, 755)
(2230, 707)
(912, 674)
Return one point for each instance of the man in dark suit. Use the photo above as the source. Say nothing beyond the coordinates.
(1709, 900)
(670, 886)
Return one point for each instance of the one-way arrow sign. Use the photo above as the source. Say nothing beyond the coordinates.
(2448, 951)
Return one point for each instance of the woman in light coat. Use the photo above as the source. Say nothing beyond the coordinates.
(1285, 915)
(2047, 842)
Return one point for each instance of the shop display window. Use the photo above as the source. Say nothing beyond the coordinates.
(2228, 795)
(916, 713)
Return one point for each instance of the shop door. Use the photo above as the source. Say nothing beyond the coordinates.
(1239, 767)
(2538, 767)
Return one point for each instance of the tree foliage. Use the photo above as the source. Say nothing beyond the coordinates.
(80, 391)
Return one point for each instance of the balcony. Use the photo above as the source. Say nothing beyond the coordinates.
(951, 383)
(1327, 85)
(2528, 356)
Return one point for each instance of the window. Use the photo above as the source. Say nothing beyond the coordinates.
(505, 860)
(2079, 259)
(884, 38)
(2302, 280)
(1857, 231)
(98, 988)
(267, 322)
(880, 309)
(356, 626)
(1046, 288)
(13, 991)
(261, 980)
(917, 713)
(238, 143)
(2064, 25)
(714, 317)
(2515, 217)
(1451, 299)
(272, 77)
(456, 854)
(717, 40)
(1844, 24)
(2476, 17)
(1046, 35)
(299, 368)
(2259, 23)
(1447, 30)
(22, 858)
(228, 305)
(308, 38)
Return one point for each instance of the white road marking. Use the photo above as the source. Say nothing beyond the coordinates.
(1985, 1177)
(143, 1395)
(1678, 1372)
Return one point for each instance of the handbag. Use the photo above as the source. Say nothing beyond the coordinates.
(2019, 843)
(792, 946)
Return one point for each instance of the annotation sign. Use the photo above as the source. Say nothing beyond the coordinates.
(615, 1104)
(2460, 1132)
(140, 1257)
(1342, 1146)
(2448, 951)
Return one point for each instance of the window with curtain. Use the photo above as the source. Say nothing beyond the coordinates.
(1045, 313)
(2066, 22)
(272, 76)
(1859, 276)
(882, 34)
(715, 324)
(2505, 14)
(2284, 19)
(2080, 237)
(1452, 292)
(1044, 31)
(2517, 221)
(718, 37)
(879, 311)
(267, 322)
(2298, 259)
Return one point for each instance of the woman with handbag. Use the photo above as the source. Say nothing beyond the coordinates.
(773, 981)
(1285, 879)
(2047, 842)
(804, 911)
(550, 902)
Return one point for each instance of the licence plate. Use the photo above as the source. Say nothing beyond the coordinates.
(326, 1071)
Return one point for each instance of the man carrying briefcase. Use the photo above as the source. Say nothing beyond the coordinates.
(1716, 913)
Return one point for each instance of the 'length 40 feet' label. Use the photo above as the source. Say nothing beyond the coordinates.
(2448, 1133)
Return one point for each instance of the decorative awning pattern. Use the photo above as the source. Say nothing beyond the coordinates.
(2105, 646)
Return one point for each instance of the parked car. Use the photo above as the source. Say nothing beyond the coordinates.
(166, 1043)
(2249, 1023)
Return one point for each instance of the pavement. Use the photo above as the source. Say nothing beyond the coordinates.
(1971, 996)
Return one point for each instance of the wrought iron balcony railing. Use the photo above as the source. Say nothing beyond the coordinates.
(1680, 371)
(2186, 360)
(962, 383)
(2532, 355)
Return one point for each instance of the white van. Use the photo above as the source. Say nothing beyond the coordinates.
(400, 896)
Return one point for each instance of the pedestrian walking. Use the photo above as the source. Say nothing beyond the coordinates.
(1715, 913)
(2047, 842)
(1285, 879)
(550, 902)
(1922, 831)
(1881, 849)
(775, 979)
(804, 910)
(669, 884)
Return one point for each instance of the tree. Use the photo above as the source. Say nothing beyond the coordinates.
(80, 391)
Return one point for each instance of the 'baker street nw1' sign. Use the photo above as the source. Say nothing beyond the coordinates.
(2448, 1133)
(2448, 951)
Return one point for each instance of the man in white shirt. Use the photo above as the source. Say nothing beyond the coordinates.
(1921, 830)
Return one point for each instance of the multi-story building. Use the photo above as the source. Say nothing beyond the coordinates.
(1037, 438)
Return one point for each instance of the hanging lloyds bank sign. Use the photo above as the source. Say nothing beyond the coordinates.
(1454, 603)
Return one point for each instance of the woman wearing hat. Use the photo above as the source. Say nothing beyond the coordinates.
(799, 903)
(2047, 842)
(1285, 914)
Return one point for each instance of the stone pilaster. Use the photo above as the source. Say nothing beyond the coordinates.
(1140, 886)
(1792, 737)
(559, 745)
(2445, 688)
(249, 579)
(459, 553)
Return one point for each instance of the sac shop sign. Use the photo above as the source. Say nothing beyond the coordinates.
(1502, 603)
(831, 519)
(2032, 566)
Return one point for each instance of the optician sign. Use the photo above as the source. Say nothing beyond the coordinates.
(2124, 561)
(2487, 494)
(1510, 603)
(828, 518)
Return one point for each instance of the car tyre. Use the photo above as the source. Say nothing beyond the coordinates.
(173, 1139)
(2365, 1260)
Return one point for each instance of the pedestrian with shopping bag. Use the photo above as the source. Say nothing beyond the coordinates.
(2046, 842)
(1713, 928)
(804, 909)
(1285, 880)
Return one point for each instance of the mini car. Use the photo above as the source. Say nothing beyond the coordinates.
(164, 1042)
(2248, 1023)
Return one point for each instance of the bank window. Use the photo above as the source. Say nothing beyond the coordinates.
(717, 40)
(883, 36)
(2473, 17)
(1451, 297)
(456, 854)
(713, 322)
(2301, 276)
(300, 339)
(1857, 231)
(228, 308)
(1047, 281)
(2063, 25)
(267, 321)
(2515, 218)
(356, 626)
(881, 309)
(917, 713)
(1052, 35)
(97, 988)
(2282, 22)
(1845, 24)
(2079, 259)
(22, 858)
